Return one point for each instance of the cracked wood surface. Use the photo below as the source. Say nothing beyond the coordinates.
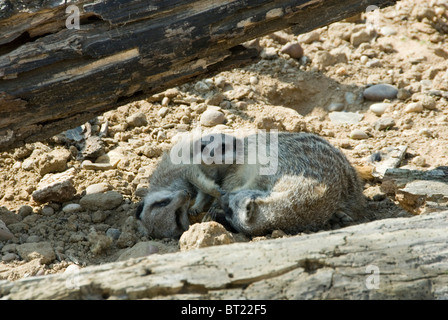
(410, 254)
(53, 79)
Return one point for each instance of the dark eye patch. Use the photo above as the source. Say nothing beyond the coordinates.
(160, 204)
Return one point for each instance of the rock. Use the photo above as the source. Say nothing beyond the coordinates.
(137, 120)
(406, 255)
(403, 94)
(101, 201)
(89, 165)
(98, 188)
(253, 80)
(269, 53)
(163, 112)
(345, 117)
(212, 118)
(335, 106)
(33, 239)
(38, 250)
(10, 257)
(99, 242)
(384, 123)
(388, 31)
(358, 134)
(309, 37)
(414, 107)
(25, 211)
(293, 49)
(47, 211)
(142, 249)
(93, 147)
(44, 162)
(359, 37)
(428, 102)
(55, 187)
(379, 108)
(426, 132)
(5, 234)
(113, 233)
(374, 63)
(379, 92)
(205, 234)
(220, 82)
(72, 208)
(387, 158)
(324, 59)
(201, 87)
(419, 161)
(418, 191)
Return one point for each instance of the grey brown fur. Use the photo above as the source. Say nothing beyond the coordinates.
(314, 180)
(165, 209)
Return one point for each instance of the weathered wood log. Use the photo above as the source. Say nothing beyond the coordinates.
(53, 78)
(403, 258)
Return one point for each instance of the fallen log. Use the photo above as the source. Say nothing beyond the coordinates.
(404, 258)
(53, 78)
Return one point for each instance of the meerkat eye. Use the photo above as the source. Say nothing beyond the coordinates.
(162, 203)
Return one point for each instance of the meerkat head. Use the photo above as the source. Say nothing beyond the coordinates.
(165, 213)
(242, 210)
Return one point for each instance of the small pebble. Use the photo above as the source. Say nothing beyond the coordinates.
(293, 49)
(384, 123)
(419, 161)
(379, 108)
(414, 107)
(9, 257)
(220, 82)
(253, 80)
(72, 268)
(379, 92)
(162, 112)
(212, 118)
(32, 239)
(335, 106)
(201, 87)
(97, 188)
(425, 132)
(71, 208)
(388, 31)
(358, 134)
(165, 101)
(137, 119)
(364, 59)
(113, 233)
(47, 211)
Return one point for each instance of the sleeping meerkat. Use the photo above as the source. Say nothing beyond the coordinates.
(313, 180)
(178, 179)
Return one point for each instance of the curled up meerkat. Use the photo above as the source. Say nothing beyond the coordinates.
(309, 181)
(177, 180)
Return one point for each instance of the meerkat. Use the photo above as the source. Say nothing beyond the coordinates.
(313, 180)
(165, 209)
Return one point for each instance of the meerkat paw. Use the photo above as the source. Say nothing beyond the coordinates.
(194, 211)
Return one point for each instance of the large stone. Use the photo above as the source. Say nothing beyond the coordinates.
(293, 49)
(206, 234)
(101, 201)
(55, 187)
(381, 91)
(37, 250)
